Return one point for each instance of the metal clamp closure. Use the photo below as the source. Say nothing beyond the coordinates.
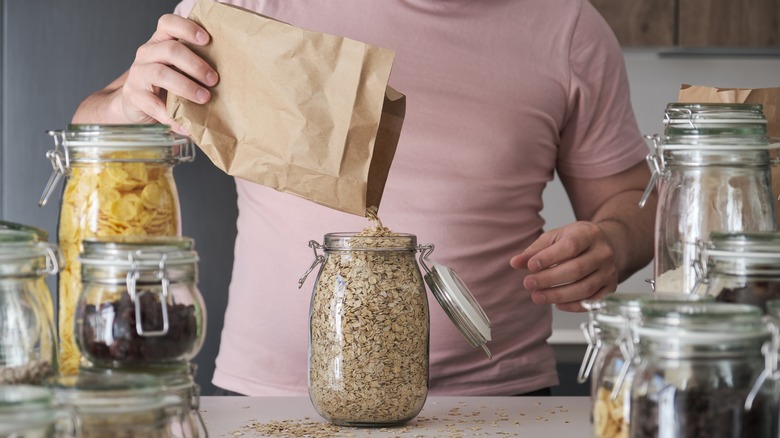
(60, 164)
(771, 352)
(133, 274)
(592, 333)
(655, 162)
(54, 258)
(318, 258)
(425, 251)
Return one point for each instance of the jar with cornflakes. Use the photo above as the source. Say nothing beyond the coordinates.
(369, 326)
(119, 182)
(140, 306)
(28, 343)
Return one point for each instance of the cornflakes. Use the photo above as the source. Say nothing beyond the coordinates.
(108, 199)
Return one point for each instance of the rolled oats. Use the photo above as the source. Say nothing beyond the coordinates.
(369, 329)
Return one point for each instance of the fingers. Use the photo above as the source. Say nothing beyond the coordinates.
(165, 64)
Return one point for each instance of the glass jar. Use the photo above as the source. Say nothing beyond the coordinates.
(177, 381)
(713, 171)
(698, 363)
(369, 327)
(608, 362)
(117, 406)
(140, 305)
(28, 344)
(742, 267)
(29, 412)
(119, 181)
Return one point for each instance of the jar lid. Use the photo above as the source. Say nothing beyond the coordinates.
(23, 407)
(172, 377)
(24, 396)
(459, 304)
(118, 136)
(702, 322)
(38, 234)
(19, 247)
(138, 252)
(744, 244)
(692, 114)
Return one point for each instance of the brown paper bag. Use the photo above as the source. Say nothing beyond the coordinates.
(768, 97)
(302, 112)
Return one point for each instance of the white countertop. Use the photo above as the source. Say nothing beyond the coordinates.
(440, 417)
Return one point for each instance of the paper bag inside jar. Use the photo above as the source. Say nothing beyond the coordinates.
(302, 112)
(768, 97)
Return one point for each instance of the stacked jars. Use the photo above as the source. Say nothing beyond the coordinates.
(28, 347)
(713, 169)
(140, 312)
(696, 369)
(119, 183)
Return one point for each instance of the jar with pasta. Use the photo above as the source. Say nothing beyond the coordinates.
(369, 326)
(119, 182)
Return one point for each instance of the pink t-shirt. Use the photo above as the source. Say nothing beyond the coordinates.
(500, 95)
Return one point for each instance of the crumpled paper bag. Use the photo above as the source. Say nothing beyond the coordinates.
(768, 97)
(302, 112)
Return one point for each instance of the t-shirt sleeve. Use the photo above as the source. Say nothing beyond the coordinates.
(600, 135)
(184, 7)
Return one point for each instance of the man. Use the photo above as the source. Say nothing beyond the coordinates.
(500, 95)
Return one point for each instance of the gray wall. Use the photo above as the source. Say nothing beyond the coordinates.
(56, 52)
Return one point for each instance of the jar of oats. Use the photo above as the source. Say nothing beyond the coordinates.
(140, 306)
(118, 405)
(28, 343)
(369, 327)
(119, 182)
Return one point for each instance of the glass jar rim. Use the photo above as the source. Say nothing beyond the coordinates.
(677, 112)
(703, 317)
(139, 252)
(122, 136)
(351, 241)
(100, 393)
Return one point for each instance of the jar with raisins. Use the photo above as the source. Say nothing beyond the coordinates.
(742, 267)
(118, 182)
(697, 366)
(140, 306)
(713, 169)
(369, 326)
(28, 343)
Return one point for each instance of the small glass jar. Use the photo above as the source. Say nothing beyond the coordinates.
(698, 363)
(28, 343)
(713, 169)
(29, 412)
(369, 327)
(117, 406)
(140, 305)
(119, 182)
(610, 355)
(742, 267)
(177, 381)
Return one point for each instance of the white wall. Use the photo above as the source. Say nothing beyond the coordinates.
(654, 82)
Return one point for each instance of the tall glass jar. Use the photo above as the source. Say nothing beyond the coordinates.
(368, 331)
(698, 363)
(28, 344)
(713, 169)
(140, 305)
(119, 182)
(742, 267)
(117, 406)
(29, 412)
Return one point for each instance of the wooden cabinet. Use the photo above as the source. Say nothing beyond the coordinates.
(693, 23)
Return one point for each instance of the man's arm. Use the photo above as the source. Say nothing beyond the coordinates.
(612, 239)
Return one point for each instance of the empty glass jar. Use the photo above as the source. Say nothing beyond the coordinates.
(28, 344)
(119, 182)
(713, 169)
(140, 306)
